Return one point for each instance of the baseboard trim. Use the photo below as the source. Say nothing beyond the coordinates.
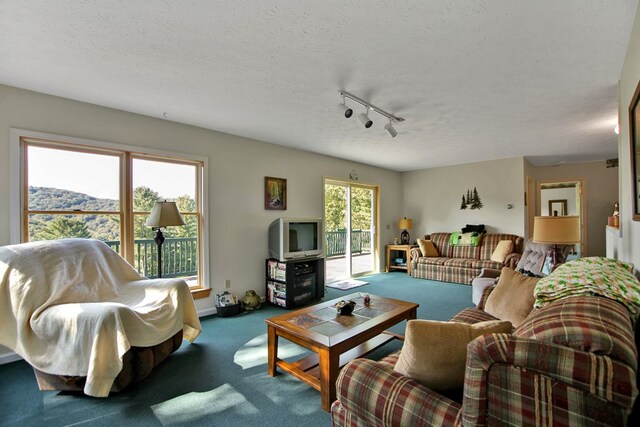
(207, 312)
(9, 357)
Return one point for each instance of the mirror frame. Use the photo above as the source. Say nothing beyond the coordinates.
(634, 144)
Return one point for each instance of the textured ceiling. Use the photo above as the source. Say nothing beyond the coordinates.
(474, 80)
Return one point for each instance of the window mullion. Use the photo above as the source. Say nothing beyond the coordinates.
(126, 210)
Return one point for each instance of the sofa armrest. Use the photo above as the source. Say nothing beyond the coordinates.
(542, 381)
(485, 295)
(512, 260)
(415, 254)
(489, 272)
(377, 395)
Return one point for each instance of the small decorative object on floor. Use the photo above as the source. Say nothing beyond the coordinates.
(251, 301)
(227, 304)
(345, 308)
(225, 298)
(367, 299)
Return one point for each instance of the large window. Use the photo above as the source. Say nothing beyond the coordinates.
(75, 190)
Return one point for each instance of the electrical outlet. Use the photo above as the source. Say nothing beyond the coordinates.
(227, 284)
(388, 227)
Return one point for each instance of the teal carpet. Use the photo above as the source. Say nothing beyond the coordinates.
(221, 379)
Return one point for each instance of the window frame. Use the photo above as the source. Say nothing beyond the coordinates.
(19, 214)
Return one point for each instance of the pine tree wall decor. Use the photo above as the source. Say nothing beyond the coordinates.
(471, 200)
(464, 203)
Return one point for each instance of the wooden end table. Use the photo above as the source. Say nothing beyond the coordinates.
(400, 248)
(334, 339)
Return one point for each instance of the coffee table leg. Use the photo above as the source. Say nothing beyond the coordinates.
(272, 346)
(329, 361)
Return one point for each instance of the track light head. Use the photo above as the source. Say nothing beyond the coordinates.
(390, 129)
(364, 118)
(348, 112)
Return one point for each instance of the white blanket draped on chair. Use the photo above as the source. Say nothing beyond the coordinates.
(74, 307)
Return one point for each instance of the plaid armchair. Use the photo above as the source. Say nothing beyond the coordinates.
(572, 362)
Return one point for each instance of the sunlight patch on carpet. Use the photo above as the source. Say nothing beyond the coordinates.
(255, 352)
(347, 284)
(194, 406)
(286, 392)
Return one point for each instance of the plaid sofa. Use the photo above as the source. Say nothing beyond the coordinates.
(461, 264)
(571, 363)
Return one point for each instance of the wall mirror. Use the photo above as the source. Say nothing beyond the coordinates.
(634, 139)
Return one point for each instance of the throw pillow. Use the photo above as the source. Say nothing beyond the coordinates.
(427, 248)
(503, 248)
(512, 298)
(435, 353)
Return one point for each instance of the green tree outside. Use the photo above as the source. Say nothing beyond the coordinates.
(335, 208)
(62, 227)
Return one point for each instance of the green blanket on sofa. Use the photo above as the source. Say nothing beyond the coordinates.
(465, 239)
(601, 276)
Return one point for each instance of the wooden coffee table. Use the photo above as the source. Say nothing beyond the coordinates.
(335, 339)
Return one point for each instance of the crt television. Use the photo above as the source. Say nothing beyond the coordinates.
(291, 238)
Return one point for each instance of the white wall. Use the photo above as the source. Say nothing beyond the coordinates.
(432, 197)
(237, 167)
(628, 246)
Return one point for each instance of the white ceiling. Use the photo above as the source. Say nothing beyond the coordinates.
(475, 80)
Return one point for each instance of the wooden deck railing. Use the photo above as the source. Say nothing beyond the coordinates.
(179, 256)
(336, 242)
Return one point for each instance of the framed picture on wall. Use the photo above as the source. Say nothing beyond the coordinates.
(558, 207)
(634, 142)
(275, 193)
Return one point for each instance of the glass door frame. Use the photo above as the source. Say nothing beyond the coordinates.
(375, 212)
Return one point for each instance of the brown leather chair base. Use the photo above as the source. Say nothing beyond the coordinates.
(137, 363)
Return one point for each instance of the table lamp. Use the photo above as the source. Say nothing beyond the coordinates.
(556, 230)
(405, 224)
(164, 214)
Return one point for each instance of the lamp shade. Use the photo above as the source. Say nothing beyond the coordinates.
(556, 229)
(164, 214)
(405, 224)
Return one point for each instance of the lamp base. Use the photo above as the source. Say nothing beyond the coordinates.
(159, 239)
(556, 258)
(404, 237)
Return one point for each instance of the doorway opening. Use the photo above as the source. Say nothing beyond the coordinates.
(350, 217)
(560, 198)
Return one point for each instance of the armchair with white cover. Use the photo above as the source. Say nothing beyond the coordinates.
(84, 318)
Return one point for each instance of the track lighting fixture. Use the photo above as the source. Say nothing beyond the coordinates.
(390, 129)
(348, 112)
(364, 117)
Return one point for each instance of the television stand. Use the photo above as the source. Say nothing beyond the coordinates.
(295, 282)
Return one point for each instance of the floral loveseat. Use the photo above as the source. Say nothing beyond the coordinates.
(461, 263)
(571, 362)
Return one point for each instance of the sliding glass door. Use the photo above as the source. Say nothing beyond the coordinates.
(350, 234)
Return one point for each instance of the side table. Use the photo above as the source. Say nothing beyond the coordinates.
(407, 256)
